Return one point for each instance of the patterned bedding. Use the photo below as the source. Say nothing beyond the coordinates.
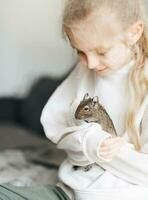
(28, 161)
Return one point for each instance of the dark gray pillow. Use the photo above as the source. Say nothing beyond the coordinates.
(32, 105)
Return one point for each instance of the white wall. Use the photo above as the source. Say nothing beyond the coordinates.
(31, 44)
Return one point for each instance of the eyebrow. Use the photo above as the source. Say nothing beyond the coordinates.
(96, 48)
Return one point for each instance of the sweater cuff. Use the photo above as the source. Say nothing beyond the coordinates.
(92, 141)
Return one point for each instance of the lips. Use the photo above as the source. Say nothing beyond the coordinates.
(99, 70)
(102, 69)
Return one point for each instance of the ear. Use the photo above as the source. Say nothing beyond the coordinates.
(95, 100)
(134, 33)
(86, 96)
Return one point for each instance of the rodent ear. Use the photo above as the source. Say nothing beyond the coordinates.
(86, 96)
(95, 99)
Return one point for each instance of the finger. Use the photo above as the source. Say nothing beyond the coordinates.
(108, 157)
(110, 153)
(111, 141)
(110, 147)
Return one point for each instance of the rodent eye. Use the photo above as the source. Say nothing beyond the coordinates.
(86, 108)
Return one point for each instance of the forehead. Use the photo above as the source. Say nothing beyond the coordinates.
(96, 31)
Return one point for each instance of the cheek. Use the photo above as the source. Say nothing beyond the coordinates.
(119, 56)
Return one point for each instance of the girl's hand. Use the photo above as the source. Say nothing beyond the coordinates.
(110, 147)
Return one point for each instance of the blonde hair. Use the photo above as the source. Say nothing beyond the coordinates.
(128, 12)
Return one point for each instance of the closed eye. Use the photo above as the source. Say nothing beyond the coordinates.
(80, 53)
(102, 54)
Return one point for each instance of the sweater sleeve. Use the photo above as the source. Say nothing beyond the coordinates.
(61, 129)
(129, 165)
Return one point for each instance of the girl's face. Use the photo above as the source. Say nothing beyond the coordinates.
(100, 43)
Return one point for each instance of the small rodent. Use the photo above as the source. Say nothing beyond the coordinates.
(90, 110)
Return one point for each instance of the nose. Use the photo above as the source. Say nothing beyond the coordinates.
(93, 61)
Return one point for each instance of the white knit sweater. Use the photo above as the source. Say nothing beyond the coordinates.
(123, 177)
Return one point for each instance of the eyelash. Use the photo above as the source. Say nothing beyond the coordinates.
(81, 53)
(102, 54)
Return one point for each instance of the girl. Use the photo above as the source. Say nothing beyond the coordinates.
(111, 40)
